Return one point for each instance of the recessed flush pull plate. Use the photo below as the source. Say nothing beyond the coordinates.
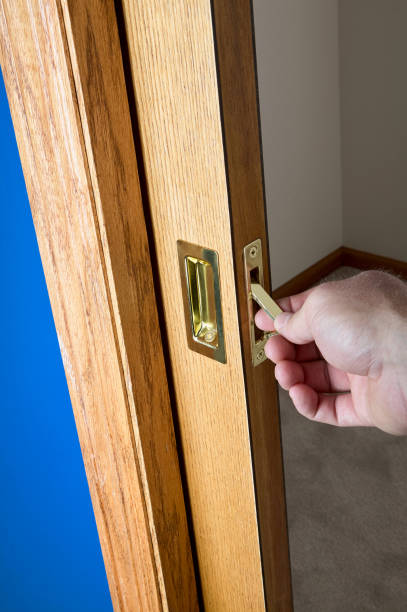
(200, 283)
(257, 296)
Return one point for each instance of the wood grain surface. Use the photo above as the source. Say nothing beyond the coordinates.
(69, 106)
(233, 30)
(172, 54)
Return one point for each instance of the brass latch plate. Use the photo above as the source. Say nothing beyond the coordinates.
(254, 278)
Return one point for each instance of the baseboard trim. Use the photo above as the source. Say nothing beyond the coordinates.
(343, 256)
(369, 261)
(311, 275)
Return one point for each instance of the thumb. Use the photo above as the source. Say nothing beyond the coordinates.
(294, 326)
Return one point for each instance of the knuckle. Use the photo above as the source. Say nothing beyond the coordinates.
(375, 277)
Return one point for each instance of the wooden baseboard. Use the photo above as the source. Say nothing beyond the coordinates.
(343, 256)
(369, 261)
(311, 275)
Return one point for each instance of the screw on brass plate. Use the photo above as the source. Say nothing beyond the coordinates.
(210, 336)
(253, 251)
(260, 355)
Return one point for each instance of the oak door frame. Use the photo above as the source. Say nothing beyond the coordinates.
(63, 72)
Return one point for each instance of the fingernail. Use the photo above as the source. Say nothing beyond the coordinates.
(282, 319)
(257, 317)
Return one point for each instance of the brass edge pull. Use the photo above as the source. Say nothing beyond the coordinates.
(256, 294)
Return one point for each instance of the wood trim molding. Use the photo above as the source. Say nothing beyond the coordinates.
(370, 261)
(344, 256)
(63, 72)
(311, 275)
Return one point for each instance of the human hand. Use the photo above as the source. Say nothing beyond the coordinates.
(342, 351)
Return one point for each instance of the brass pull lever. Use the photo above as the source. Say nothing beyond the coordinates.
(264, 300)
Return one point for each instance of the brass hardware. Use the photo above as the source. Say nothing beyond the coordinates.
(264, 300)
(202, 300)
(254, 276)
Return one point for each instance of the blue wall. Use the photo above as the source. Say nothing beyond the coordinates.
(50, 557)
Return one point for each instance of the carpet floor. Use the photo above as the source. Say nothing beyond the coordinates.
(347, 513)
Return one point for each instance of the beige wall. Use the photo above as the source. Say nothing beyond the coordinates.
(333, 103)
(298, 71)
(373, 60)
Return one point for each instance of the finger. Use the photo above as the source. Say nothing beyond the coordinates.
(296, 326)
(278, 349)
(293, 303)
(263, 321)
(330, 409)
(319, 375)
(289, 304)
(289, 373)
(307, 352)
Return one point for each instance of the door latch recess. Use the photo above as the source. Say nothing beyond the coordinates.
(257, 297)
